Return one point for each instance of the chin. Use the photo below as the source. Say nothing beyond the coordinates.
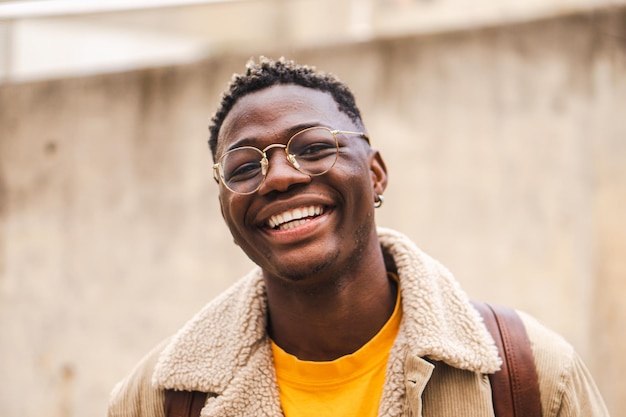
(299, 271)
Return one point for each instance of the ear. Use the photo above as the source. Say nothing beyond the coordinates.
(378, 171)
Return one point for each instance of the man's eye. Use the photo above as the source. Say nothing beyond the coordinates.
(243, 172)
(318, 149)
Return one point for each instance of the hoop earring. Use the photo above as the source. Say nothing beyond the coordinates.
(378, 201)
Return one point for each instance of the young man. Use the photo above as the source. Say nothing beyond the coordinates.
(340, 318)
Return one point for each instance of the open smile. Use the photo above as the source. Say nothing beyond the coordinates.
(293, 218)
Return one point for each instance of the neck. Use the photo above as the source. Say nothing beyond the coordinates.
(328, 320)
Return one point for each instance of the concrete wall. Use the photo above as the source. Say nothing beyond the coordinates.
(507, 157)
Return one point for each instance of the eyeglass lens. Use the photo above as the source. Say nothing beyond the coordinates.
(312, 151)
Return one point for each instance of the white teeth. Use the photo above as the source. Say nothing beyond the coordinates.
(293, 224)
(294, 218)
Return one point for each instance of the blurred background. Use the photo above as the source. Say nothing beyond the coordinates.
(502, 122)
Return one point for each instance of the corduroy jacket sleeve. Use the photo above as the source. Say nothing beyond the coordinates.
(567, 388)
(580, 394)
(135, 396)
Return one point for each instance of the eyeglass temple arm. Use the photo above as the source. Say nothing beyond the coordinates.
(361, 134)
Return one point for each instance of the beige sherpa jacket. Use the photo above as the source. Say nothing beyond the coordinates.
(438, 365)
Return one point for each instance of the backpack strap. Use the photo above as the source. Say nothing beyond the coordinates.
(184, 403)
(515, 387)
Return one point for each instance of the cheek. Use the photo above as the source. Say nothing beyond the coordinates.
(221, 202)
(230, 212)
(359, 178)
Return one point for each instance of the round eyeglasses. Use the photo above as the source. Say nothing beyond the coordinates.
(312, 151)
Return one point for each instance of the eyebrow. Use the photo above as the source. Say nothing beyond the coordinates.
(287, 133)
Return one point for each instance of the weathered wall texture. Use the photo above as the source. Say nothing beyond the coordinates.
(506, 149)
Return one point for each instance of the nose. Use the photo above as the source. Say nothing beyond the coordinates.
(281, 174)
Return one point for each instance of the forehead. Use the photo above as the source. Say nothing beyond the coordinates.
(270, 113)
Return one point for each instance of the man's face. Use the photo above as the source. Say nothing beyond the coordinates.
(338, 223)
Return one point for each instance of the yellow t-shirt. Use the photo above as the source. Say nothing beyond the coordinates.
(349, 386)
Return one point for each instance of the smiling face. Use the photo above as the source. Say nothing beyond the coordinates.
(297, 227)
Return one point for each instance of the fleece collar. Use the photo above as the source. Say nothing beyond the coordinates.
(225, 346)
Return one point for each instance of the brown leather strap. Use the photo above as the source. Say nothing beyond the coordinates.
(184, 403)
(515, 388)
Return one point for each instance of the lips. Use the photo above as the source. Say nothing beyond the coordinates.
(295, 217)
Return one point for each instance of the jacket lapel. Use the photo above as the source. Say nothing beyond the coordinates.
(252, 392)
(439, 324)
(438, 319)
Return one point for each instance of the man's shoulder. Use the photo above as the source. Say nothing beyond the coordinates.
(545, 341)
(135, 395)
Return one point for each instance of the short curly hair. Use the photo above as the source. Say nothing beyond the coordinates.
(267, 73)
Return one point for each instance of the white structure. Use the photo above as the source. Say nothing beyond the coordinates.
(61, 38)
